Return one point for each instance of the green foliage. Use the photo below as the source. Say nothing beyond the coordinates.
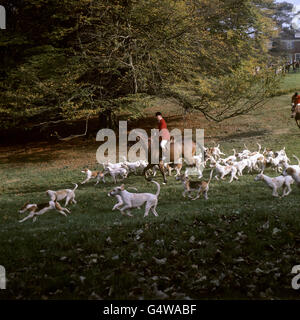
(91, 56)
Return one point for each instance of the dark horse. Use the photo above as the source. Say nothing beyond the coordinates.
(296, 114)
(171, 146)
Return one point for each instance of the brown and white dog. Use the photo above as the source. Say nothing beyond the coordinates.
(93, 175)
(290, 171)
(39, 209)
(59, 195)
(199, 186)
(173, 166)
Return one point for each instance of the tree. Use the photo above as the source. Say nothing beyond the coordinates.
(104, 56)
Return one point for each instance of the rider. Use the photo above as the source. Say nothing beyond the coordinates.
(164, 132)
(295, 100)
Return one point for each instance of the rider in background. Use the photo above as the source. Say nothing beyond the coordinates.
(295, 100)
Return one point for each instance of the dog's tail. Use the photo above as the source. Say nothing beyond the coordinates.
(76, 186)
(158, 188)
(297, 159)
(210, 176)
(245, 146)
(259, 146)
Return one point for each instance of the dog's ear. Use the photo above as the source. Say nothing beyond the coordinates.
(122, 187)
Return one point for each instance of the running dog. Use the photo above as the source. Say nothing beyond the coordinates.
(62, 194)
(199, 186)
(93, 175)
(276, 183)
(135, 200)
(39, 209)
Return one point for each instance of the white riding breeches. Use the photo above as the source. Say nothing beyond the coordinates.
(163, 144)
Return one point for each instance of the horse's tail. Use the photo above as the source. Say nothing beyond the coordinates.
(200, 146)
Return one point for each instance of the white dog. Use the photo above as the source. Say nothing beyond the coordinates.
(230, 158)
(131, 166)
(119, 172)
(62, 194)
(119, 204)
(242, 165)
(277, 183)
(223, 171)
(135, 200)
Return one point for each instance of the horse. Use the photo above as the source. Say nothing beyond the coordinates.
(157, 153)
(296, 114)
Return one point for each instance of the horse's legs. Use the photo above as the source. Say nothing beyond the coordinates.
(162, 171)
(149, 166)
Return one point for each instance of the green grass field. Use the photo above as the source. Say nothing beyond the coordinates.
(214, 249)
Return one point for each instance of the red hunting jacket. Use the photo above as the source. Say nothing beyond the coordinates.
(164, 132)
(297, 100)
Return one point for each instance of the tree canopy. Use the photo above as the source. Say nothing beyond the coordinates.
(66, 59)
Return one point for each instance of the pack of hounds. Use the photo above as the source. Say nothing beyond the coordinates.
(220, 166)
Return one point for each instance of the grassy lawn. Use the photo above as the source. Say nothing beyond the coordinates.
(221, 248)
(290, 83)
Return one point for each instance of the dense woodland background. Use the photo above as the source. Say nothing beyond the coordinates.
(69, 60)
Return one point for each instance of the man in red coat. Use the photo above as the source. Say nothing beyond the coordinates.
(164, 132)
(295, 100)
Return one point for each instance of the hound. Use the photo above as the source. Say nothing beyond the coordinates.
(62, 194)
(290, 171)
(169, 167)
(93, 175)
(131, 166)
(122, 172)
(200, 165)
(276, 183)
(119, 204)
(242, 165)
(215, 152)
(244, 154)
(199, 186)
(223, 171)
(296, 168)
(230, 158)
(174, 166)
(39, 209)
(112, 165)
(135, 200)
